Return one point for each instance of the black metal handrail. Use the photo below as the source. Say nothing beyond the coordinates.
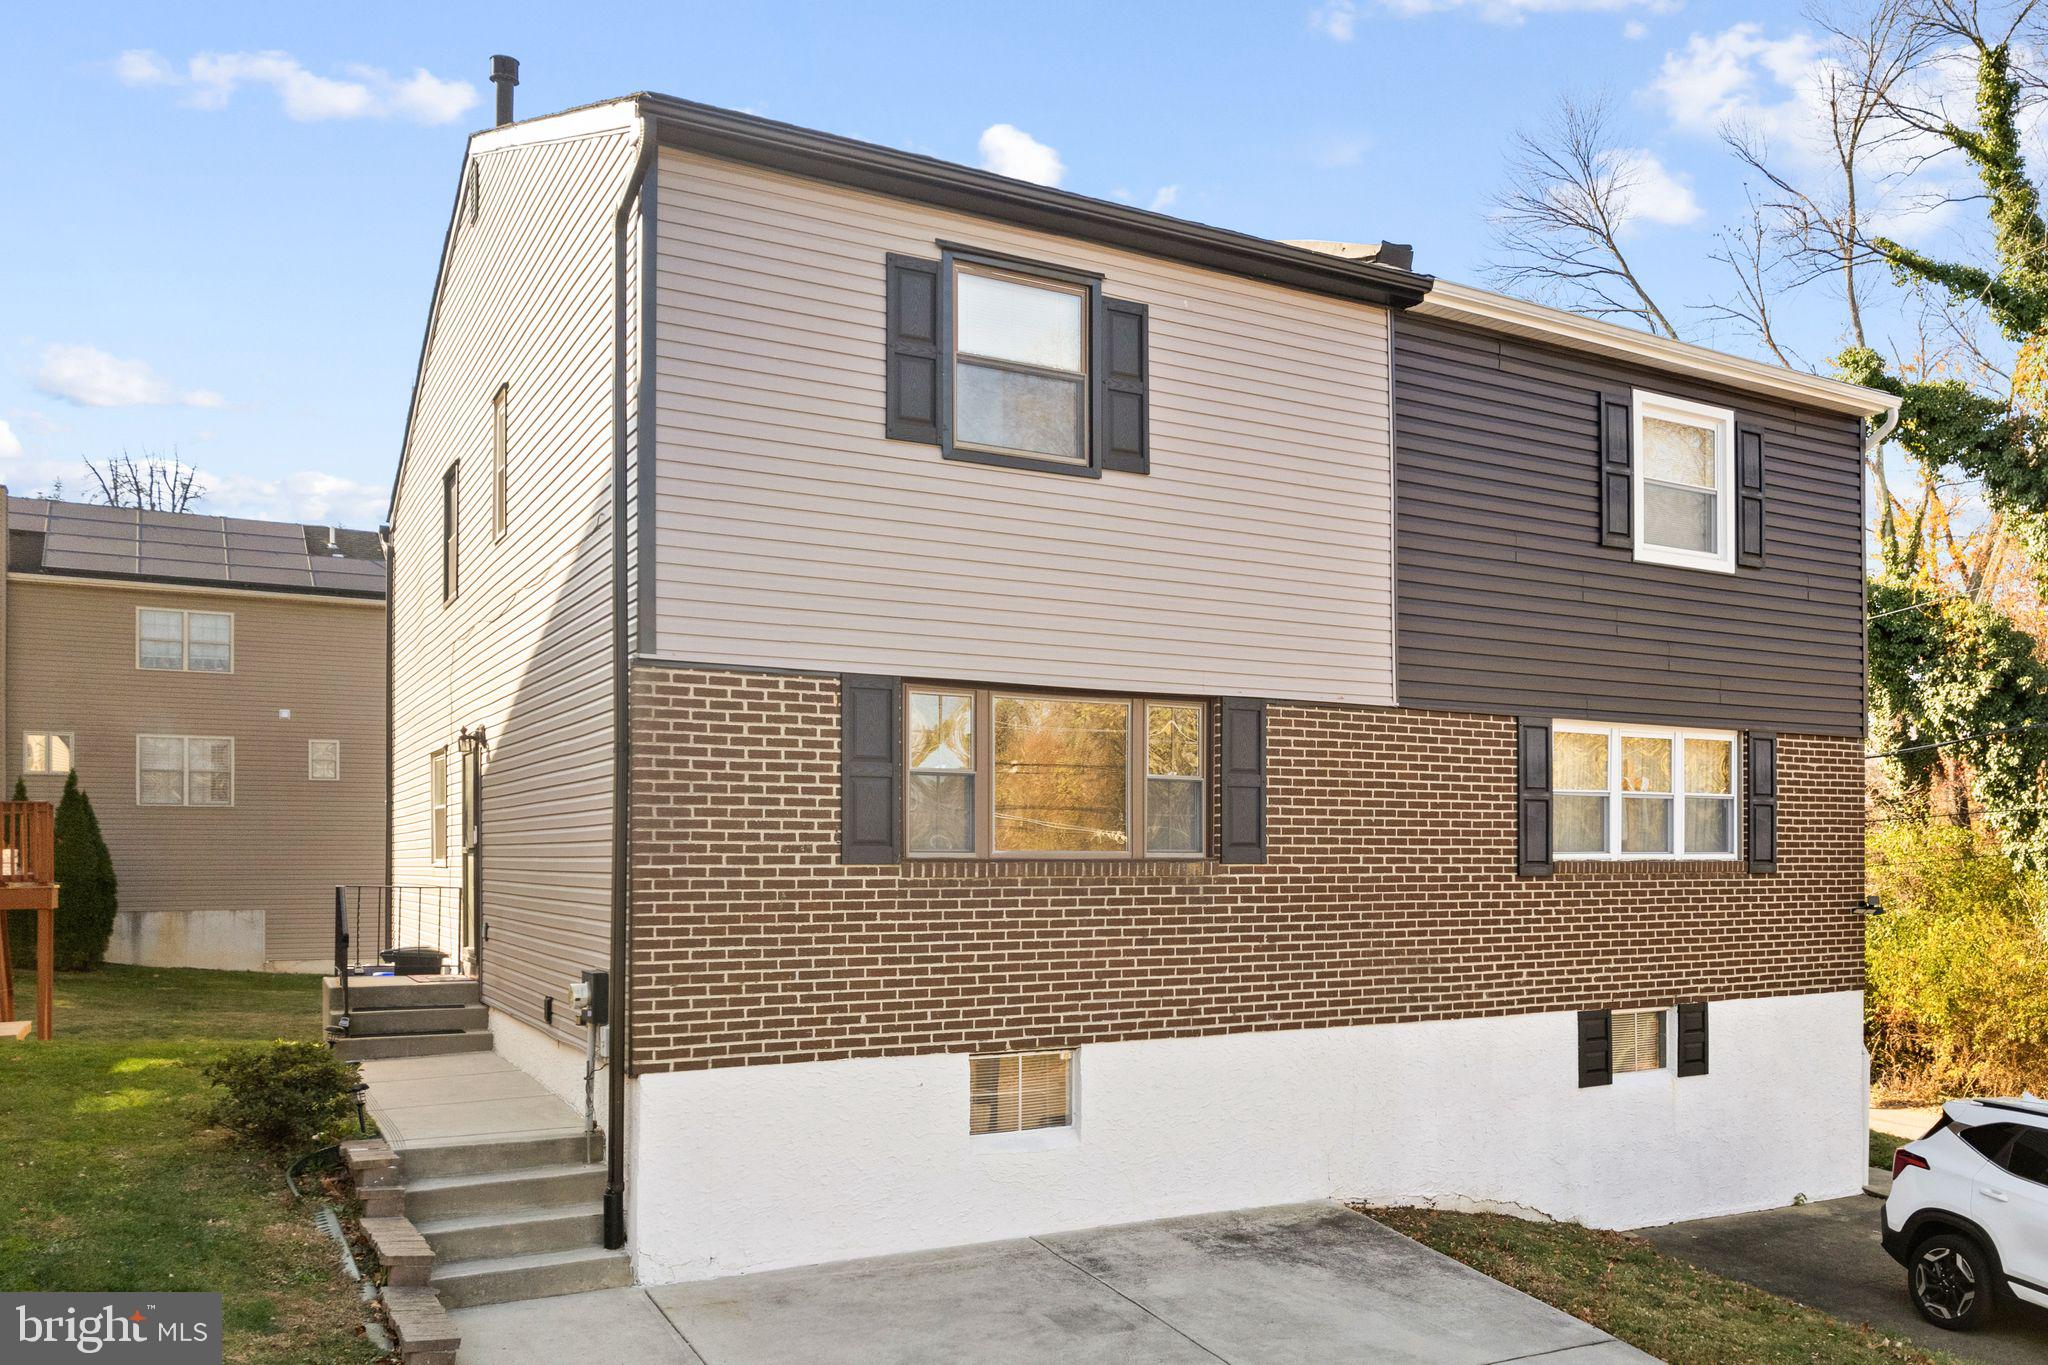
(374, 924)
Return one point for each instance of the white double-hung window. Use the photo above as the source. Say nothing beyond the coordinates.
(184, 770)
(185, 641)
(1626, 791)
(1684, 474)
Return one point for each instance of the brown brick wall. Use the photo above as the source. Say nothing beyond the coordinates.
(1389, 895)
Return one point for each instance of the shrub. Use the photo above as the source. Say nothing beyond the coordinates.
(88, 896)
(288, 1097)
(1957, 999)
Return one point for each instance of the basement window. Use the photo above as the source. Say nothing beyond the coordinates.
(1640, 1041)
(1020, 1092)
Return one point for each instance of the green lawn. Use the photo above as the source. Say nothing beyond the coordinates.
(106, 1183)
(1628, 1288)
(1882, 1145)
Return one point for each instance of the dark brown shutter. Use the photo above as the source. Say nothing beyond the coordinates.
(1762, 772)
(1242, 749)
(1617, 460)
(870, 771)
(1532, 799)
(915, 303)
(1596, 1048)
(1692, 1038)
(1120, 401)
(1749, 497)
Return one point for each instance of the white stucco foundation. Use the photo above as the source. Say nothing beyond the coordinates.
(754, 1168)
(225, 940)
(547, 1059)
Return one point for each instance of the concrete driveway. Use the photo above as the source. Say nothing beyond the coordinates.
(1306, 1282)
(1828, 1256)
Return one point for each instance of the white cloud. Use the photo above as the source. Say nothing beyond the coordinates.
(1635, 30)
(306, 496)
(1738, 75)
(10, 444)
(1655, 194)
(1335, 153)
(1336, 20)
(1517, 11)
(211, 79)
(1166, 198)
(90, 378)
(1009, 150)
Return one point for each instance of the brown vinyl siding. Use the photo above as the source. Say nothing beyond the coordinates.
(286, 840)
(1508, 603)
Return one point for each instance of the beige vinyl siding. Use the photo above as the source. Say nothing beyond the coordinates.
(1254, 559)
(527, 299)
(285, 842)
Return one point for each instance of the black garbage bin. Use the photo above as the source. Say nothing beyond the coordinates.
(414, 961)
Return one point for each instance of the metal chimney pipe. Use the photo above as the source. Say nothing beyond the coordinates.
(504, 75)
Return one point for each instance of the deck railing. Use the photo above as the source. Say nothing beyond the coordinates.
(373, 923)
(28, 843)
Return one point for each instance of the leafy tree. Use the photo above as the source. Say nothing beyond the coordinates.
(87, 889)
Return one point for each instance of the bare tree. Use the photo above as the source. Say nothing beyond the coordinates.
(155, 483)
(1571, 193)
(1749, 251)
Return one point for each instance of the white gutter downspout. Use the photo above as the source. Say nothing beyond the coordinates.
(1875, 441)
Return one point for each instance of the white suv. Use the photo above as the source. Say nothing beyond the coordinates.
(1968, 1211)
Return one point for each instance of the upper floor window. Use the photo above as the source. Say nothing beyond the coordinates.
(1032, 775)
(323, 760)
(450, 534)
(184, 770)
(501, 461)
(1020, 358)
(187, 641)
(1684, 472)
(1633, 792)
(45, 753)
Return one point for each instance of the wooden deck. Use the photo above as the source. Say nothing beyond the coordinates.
(28, 881)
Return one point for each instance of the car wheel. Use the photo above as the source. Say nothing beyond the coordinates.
(1949, 1277)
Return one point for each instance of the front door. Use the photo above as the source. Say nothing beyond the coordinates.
(473, 856)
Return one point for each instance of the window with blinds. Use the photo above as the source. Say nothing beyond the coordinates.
(1020, 1091)
(1639, 1041)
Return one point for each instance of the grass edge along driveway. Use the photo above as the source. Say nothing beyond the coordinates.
(108, 1183)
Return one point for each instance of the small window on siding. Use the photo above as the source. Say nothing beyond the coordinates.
(1020, 365)
(184, 770)
(437, 806)
(1018, 1092)
(451, 566)
(1640, 1041)
(45, 753)
(1684, 476)
(323, 760)
(501, 458)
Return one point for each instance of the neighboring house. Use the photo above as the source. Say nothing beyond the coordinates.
(217, 684)
(1053, 714)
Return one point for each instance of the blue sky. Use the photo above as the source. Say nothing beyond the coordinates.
(222, 223)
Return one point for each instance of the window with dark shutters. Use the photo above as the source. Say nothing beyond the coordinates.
(1596, 1048)
(1242, 751)
(1617, 488)
(1749, 497)
(1533, 855)
(1692, 1038)
(914, 370)
(870, 771)
(1762, 840)
(1120, 401)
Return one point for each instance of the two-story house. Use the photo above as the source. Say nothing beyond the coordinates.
(1050, 714)
(218, 685)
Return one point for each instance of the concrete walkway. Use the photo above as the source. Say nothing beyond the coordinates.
(1300, 1283)
(1909, 1124)
(1828, 1255)
(464, 1098)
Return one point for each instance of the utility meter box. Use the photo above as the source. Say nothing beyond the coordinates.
(591, 997)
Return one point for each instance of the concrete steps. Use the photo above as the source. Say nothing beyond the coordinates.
(484, 1158)
(416, 1019)
(482, 1236)
(502, 1192)
(406, 1016)
(352, 1049)
(537, 1275)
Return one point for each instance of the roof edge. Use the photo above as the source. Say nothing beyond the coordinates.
(815, 155)
(1501, 312)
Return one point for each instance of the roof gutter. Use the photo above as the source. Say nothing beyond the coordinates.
(838, 160)
(619, 1015)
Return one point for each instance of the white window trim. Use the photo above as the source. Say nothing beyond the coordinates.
(185, 615)
(1614, 794)
(70, 747)
(1067, 1134)
(187, 803)
(1722, 420)
(311, 776)
(437, 814)
(1664, 1073)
